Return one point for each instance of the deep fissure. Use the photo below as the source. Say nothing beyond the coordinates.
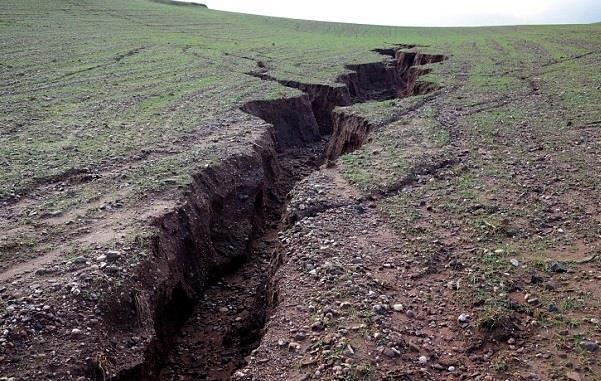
(222, 244)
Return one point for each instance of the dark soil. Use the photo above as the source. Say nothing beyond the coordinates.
(227, 322)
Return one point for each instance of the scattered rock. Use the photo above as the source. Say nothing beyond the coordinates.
(536, 279)
(318, 326)
(558, 267)
(590, 346)
(379, 309)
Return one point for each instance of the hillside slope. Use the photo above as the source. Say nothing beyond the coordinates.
(427, 197)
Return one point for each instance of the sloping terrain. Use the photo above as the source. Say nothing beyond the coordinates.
(193, 194)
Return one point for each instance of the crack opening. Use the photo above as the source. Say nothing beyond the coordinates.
(209, 285)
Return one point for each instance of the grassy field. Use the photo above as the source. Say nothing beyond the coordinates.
(90, 88)
(107, 108)
(90, 83)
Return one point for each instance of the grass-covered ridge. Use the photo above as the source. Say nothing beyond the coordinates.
(89, 82)
(109, 108)
(118, 101)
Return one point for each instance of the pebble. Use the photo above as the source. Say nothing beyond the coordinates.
(422, 359)
(318, 326)
(590, 346)
(410, 314)
(378, 308)
(112, 255)
(558, 267)
(514, 262)
(398, 307)
(533, 301)
(463, 318)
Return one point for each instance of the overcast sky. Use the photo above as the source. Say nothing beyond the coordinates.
(423, 12)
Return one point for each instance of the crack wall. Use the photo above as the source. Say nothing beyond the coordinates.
(232, 207)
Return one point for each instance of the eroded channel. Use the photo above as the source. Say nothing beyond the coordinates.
(222, 244)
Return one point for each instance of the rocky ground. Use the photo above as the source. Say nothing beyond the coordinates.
(482, 266)
(262, 199)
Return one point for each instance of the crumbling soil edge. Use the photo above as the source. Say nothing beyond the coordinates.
(228, 205)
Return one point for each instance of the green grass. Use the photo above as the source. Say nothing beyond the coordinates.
(142, 94)
(91, 81)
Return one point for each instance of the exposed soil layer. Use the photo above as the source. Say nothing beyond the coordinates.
(388, 79)
(205, 294)
(294, 118)
(323, 99)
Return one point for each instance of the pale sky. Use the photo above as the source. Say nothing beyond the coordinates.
(422, 12)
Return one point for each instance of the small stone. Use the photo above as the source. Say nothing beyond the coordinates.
(535, 279)
(397, 307)
(349, 351)
(75, 331)
(410, 314)
(422, 359)
(550, 286)
(379, 309)
(590, 346)
(79, 260)
(552, 308)
(437, 366)
(113, 255)
(558, 267)
(514, 262)
(463, 318)
(451, 368)
(318, 326)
